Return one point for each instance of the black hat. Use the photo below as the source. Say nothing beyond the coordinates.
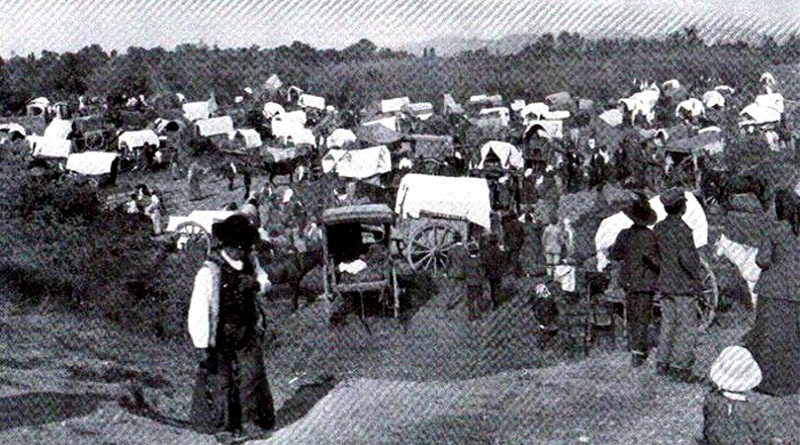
(672, 197)
(235, 231)
(641, 213)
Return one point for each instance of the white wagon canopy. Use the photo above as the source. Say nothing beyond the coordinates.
(466, 198)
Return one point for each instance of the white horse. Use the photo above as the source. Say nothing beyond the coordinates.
(744, 258)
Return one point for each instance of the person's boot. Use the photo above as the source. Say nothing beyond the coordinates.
(662, 369)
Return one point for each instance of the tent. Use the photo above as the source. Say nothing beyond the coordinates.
(553, 129)
(47, 147)
(272, 109)
(309, 101)
(459, 197)
(339, 137)
(58, 129)
(215, 126)
(92, 162)
(509, 155)
(248, 138)
(610, 227)
(196, 110)
(375, 134)
(136, 139)
(358, 164)
(394, 105)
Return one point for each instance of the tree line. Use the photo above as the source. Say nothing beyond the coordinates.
(361, 73)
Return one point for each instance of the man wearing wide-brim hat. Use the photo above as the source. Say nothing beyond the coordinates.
(637, 249)
(232, 394)
(680, 284)
(731, 413)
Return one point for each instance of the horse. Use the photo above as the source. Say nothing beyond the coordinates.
(295, 166)
(788, 203)
(747, 183)
(744, 258)
(291, 267)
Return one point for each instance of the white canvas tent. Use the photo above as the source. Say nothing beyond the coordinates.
(358, 164)
(136, 139)
(510, 156)
(758, 115)
(287, 124)
(215, 126)
(610, 227)
(91, 162)
(454, 196)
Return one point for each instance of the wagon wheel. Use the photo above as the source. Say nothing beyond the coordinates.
(194, 241)
(429, 247)
(94, 140)
(706, 305)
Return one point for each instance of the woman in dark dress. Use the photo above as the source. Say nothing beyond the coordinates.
(231, 393)
(775, 338)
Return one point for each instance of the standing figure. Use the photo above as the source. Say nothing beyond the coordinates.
(680, 284)
(230, 173)
(247, 179)
(775, 337)
(637, 249)
(232, 393)
(153, 210)
(493, 260)
(513, 240)
(552, 244)
(193, 178)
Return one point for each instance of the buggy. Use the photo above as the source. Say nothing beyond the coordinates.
(357, 254)
(92, 133)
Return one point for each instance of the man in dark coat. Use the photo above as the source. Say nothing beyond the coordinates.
(680, 282)
(493, 260)
(637, 249)
(513, 240)
(599, 168)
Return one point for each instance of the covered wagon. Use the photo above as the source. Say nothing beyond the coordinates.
(100, 167)
(437, 213)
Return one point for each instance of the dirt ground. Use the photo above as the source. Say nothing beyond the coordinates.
(435, 378)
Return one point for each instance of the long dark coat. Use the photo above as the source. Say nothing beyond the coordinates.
(637, 249)
(681, 272)
(775, 338)
(231, 386)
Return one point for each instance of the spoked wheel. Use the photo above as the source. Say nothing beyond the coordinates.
(429, 248)
(706, 305)
(194, 241)
(94, 140)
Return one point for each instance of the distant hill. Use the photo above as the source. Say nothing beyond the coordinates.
(451, 45)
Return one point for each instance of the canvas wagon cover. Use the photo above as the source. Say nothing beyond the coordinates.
(134, 139)
(287, 124)
(58, 128)
(610, 227)
(204, 218)
(309, 101)
(458, 197)
(215, 126)
(12, 127)
(45, 147)
(283, 154)
(250, 137)
(358, 164)
(339, 137)
(394, 105)
(710, 142)
(431, 146)
(509, 155)
(196, 110)
(91, 162)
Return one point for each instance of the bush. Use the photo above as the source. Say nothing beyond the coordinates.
(53, 196)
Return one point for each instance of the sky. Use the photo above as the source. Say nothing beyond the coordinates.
(67, 25)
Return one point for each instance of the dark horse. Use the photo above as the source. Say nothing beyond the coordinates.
(724, 187)
(293, 166)
(290, 268)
